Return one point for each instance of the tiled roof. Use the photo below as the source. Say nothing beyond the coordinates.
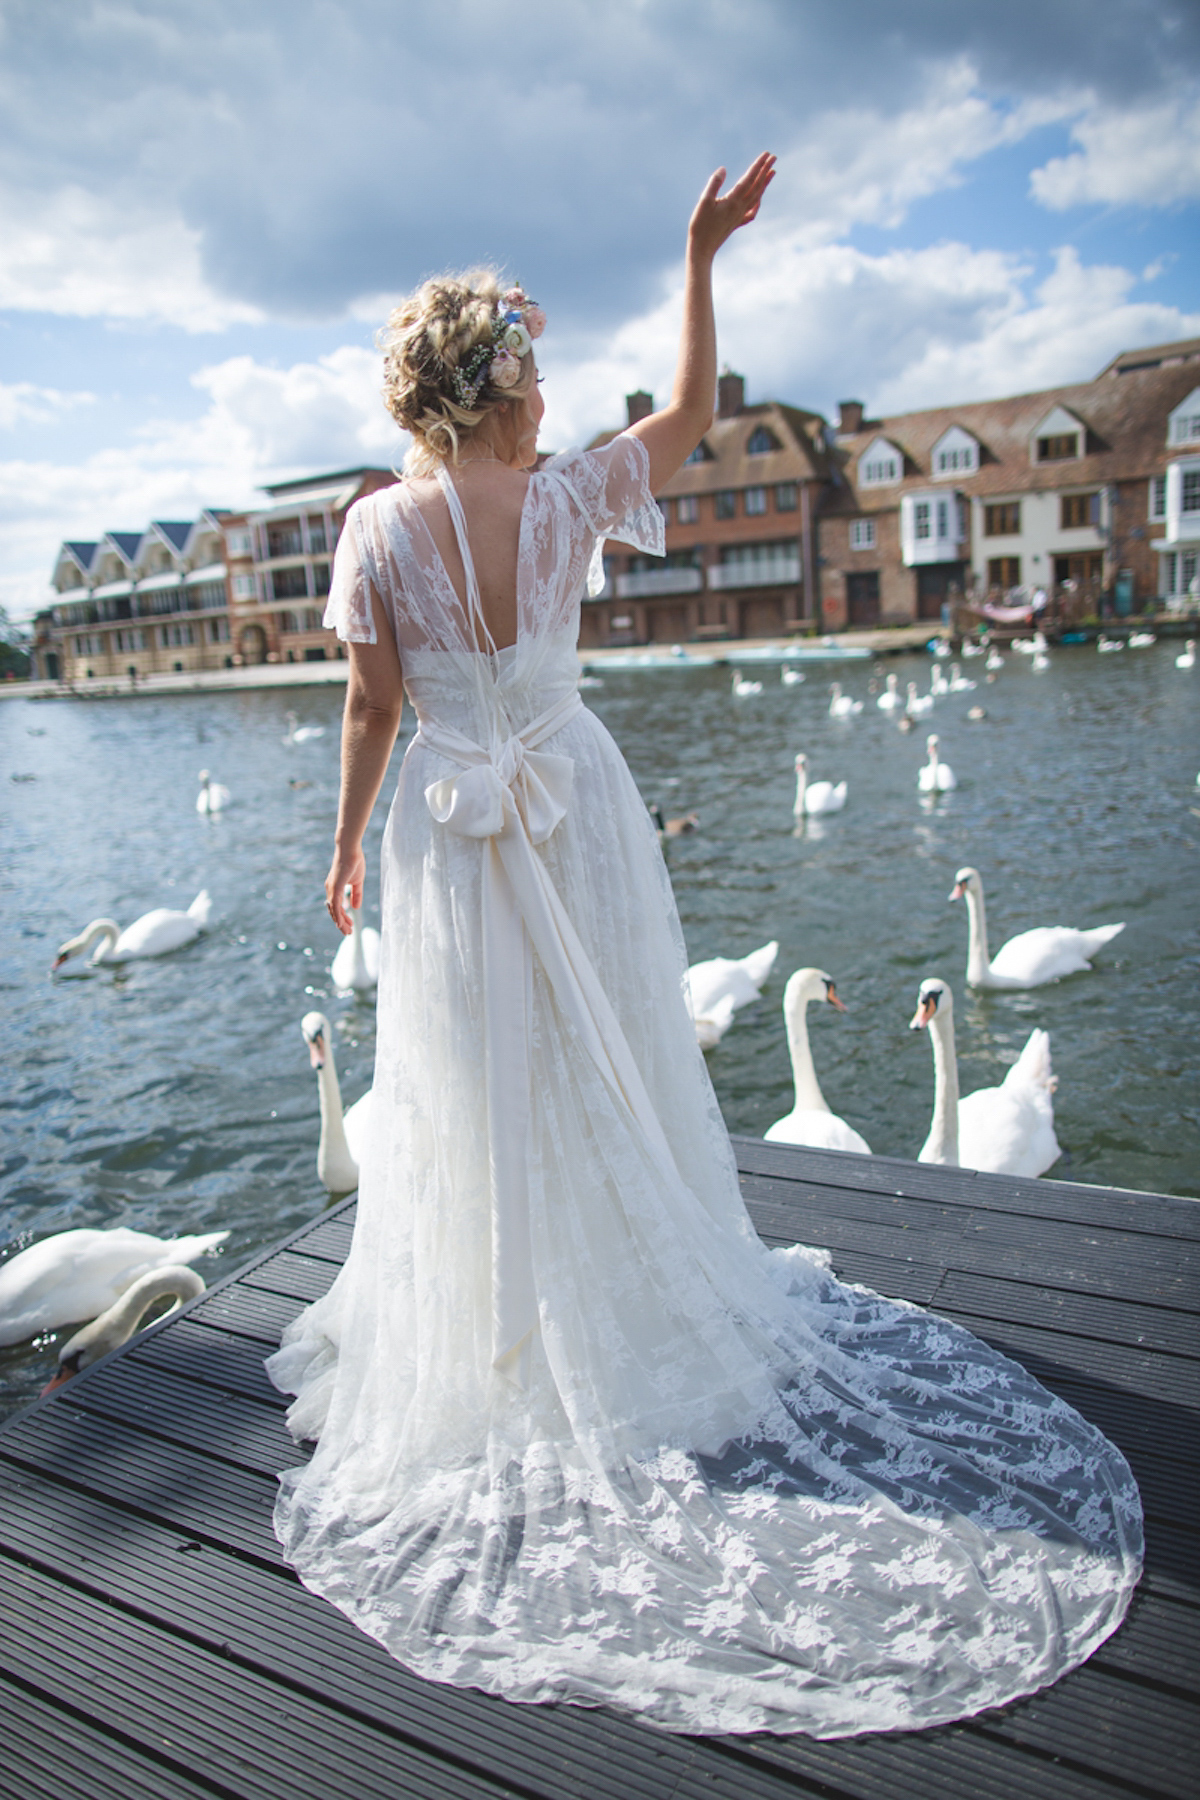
(83, 553)
(126, 541)
(802, 455)
(174, 530)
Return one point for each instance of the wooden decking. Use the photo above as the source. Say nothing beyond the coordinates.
(153, 1644)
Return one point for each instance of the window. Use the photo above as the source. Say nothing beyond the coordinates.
(785, 497)
(218, 631)
(1003, 519)
(862, 534)
(312, 619)
(175, 635)
(943, 519)
(243, 587)
(288, 584)
(1187, 428)
(922, 519)
(206, 595)
(756, 502)
(1076, 510)
(761, 440)
(1191, 491)
(1158, 496)
(1059, 447)
(699, 455)
(320, 578)
(288, 621)
(316, 537)
(1004, 572)
(881, 469)
(725, 503)
(239, 543)
(686, 510)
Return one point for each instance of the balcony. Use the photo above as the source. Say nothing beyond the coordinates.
(776, 571)
(932, 528)
(648, 584)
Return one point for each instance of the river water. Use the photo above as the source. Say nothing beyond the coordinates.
(175, 1095)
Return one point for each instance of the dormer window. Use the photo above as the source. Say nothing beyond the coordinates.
(1058, 446)
(1183, 425)
(699, 455)
(880, 465)
(761, 441)
(955, 453)
(1060, 437)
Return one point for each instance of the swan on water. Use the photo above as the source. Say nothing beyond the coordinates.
(154, 934)
(1141, 640)
(790, 677)
(1039, 662)
(816, 796)
(917, 705)
(936, 777)
(679, 827)
(743, 688)
(974, 649)
(841, 706)
(1107, 644)
(940, 647)
(301, 734)
(994, 661)
(212, 796)
(959, 683)
(1005, 1130)
(343, 1135)
(118, 1324)
(938, 684)
(734, 979)
(81, 1273)
(810, 1121)
(1046, 953)
(356, 964)
(1187, 657)
(889, 700)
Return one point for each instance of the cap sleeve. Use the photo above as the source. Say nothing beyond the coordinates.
(611, 488)
(348, 610)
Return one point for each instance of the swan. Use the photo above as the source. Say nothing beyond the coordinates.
(743, 689)
(790, 677)
(1005, 1130)
(810, 1120)
(1107, 644)
(818, 796)
(841, 706)
(974, 649)
(1040, 662)
(1141, 640)
(212, 796)
(1187, 658)
(79, 1274)
(938, 685)
(734, 979)
(154, 934)
(679, 827)
(343, 1135)
(917, 705)
(959, 683)
(889, 700)
(1022, 646)
(356, 964)
(994, 662)
(936, 777)
(1030, 959)
(940, 647)
(301, 734)
(117, 1325)
(711, 1027)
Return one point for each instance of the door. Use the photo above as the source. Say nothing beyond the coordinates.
(862, 597)
(933, 587)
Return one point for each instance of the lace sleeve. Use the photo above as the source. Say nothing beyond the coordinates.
(348, 611)
(611, 488)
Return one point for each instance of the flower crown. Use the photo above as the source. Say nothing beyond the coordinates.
(517, 322)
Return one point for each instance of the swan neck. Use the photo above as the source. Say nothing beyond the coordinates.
(809, 1097)
(107, 931)
(978, 962)
(357, 952)
(801, 785)
(943, 1131)
(333, 1144)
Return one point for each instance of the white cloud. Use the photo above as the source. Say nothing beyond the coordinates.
(1143, 155)
(22, 403)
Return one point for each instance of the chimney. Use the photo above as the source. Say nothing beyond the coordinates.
(639, 406)
(731, 394)
(850, 415)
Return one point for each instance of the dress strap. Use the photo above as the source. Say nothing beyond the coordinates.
(458, 519)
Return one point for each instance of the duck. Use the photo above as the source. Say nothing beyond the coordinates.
(936, 777)
(1187, 657)
(301, 734)
(678, 827)
(356, 964)
(79, 1274)
(1005, 1130)
(841, 706)
(1032, 958)
(994, 663)
(734, 979)
(156, 933)
(889, 700)
(1107, 645)
(212, 798)
(810, 1121)
(743, 689)
(1141, 640)
(123, 1318)
(343, 1135)
(790, 677)
(817, 796)
(917, 705)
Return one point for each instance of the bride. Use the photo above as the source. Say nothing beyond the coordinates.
(580, 1435)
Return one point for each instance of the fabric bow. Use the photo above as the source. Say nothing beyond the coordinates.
(490, 794)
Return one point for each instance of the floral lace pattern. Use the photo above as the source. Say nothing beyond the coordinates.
(734, 1494)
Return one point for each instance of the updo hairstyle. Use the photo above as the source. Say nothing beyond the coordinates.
(425, 339)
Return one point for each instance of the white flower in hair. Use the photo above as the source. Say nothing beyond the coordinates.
(518, 340)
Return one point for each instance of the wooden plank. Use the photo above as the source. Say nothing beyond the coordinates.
(1150, 1376)
(216, 1358)
(219, 1423)
(329, 1237)
(291, 1272)
(49, 1754)
(248, 1312)
(1110, 1321)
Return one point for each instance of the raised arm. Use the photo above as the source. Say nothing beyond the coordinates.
(672, 434)
(374, 699)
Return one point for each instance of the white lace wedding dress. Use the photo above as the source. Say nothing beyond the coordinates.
(581, 1436)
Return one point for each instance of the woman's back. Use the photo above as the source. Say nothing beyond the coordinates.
(493, 502)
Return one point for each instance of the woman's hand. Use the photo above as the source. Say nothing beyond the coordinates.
(348, 870)
(716, 219)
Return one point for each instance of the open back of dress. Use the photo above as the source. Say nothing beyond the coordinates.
(581, 1436)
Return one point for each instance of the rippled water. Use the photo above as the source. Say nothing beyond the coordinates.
(175, 1095)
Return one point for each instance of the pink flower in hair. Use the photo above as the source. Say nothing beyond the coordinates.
(505, 371)
(535, 320)
(514, 297)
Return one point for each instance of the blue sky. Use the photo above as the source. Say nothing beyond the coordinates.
(207, 206)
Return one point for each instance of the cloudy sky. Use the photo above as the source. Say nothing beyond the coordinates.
(206, 204)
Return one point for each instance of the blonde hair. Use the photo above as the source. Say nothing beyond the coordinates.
(427, 337)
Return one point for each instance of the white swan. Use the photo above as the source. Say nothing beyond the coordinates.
(1030, 959)
(1187, 657)
(212, 796)
(917, 705)
(356, 964)
(790, 677)
(959, 683)
(1141, 640)
(995, 661)
(889, 700)
(817, 796)
(154, 934)
(1107, 644)
(1039, 662)
(974, 649)
(938, 684)
(841, 706)
(1005, 1130)
(343, 1135)
(79, 1274)
(301, 734)
(936, 777)
(117, 1325)
(810, 1120)
(722, 979)
(743, 688)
